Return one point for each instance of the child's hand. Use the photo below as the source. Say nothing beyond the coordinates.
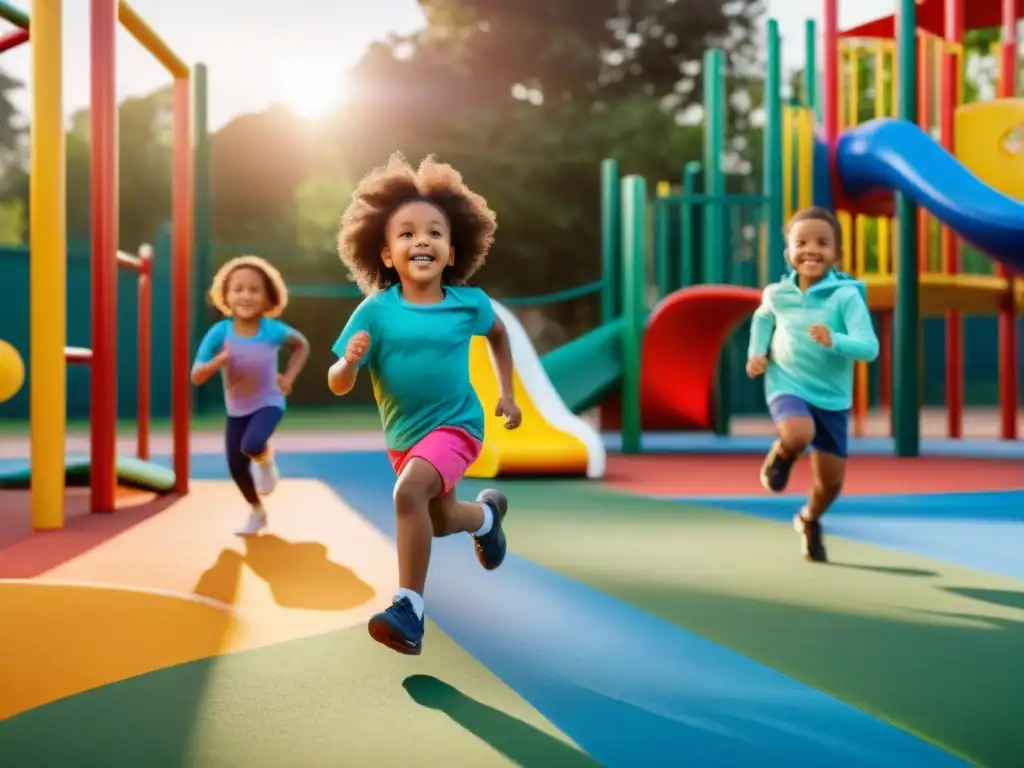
(285, 383)
(821, 334)
(222, 357)
(357, 347)
(507, 407)
(756, 366)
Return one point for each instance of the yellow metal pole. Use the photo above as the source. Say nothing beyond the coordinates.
(787, 163)
(805, 158)
(48, 278)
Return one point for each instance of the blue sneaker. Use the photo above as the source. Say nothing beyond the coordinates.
(776, 469)
(399, 628)
(491, 547)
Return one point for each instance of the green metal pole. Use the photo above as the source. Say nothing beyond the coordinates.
(688, 226)
(715, 255)
(634, 257)
(202, 213)
(663, 240)
(714, 178)
(15, 16)
(611, 241)
(906, 375)
(773, 138)
(811, 67)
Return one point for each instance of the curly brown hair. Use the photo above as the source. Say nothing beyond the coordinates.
(273, 284)
(384, 190)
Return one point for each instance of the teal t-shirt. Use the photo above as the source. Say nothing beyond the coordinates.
(419, 361)
(797, 364)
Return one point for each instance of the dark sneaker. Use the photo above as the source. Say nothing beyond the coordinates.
(812, 541)
(399, 628)
(776, 468)
(491, 547)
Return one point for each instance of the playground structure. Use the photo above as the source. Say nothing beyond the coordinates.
(650, 369)
(49, 356)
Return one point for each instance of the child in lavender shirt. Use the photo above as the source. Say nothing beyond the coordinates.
(244, 347)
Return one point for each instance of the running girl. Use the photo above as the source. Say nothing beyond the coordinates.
(810, 328)
(412, 238)
(250, 294)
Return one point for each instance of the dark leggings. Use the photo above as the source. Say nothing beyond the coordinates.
(247, 436)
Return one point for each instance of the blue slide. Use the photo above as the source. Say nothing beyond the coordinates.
(888, 154)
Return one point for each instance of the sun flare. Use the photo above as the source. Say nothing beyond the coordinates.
(307, 87)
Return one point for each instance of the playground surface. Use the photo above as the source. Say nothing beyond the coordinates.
(662, 616)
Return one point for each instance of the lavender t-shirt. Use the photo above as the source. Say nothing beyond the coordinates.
(250, 376)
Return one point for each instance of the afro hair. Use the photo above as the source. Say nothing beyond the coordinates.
(386, 189)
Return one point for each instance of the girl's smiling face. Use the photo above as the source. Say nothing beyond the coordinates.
(813, 248)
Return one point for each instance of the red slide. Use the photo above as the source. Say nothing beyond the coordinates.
(683, 340)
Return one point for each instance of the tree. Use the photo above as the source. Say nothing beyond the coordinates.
(144, 170)
(12, 126)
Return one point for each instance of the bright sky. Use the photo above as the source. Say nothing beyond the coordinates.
(256, 54)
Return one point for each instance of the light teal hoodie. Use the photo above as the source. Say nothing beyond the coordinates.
(797, 364)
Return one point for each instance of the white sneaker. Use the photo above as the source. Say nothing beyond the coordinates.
(264, 475)
(255, 523)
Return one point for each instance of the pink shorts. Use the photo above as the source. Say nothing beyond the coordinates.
(449, 450)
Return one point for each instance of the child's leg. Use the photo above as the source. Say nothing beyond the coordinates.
(448, 515)
(238, 466)
(483, 519)
(400, 627)
(795, 425)
(256, 445)
(418, 483)
(828, 463)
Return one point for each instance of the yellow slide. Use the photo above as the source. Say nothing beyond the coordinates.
(552, 440)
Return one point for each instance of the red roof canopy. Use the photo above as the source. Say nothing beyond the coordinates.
(931, 17)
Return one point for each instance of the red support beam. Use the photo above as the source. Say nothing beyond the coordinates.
(954, 33)
(145, 321)
(1007, 312)
(181, 281)
(13, 39)
(103, 383)
(830, 92)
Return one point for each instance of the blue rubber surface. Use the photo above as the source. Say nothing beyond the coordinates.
(600, 669)
(897, 155)
(707, 442)
(983, 531)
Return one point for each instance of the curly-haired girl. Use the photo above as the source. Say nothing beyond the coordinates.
(250, 294)
(412, 238)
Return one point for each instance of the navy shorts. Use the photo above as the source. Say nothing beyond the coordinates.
(831, 428)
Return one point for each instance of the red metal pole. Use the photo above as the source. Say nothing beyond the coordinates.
(145, 337)
(181, 278)
(1007, 312)
(13, 39)
(954, 33)
(830, 92)
(103, 384)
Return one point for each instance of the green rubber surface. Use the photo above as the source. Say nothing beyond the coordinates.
(333, 700)
(585, 371)
(927, 646)
(131, 472)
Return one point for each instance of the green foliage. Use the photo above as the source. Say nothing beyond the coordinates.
(12, 222)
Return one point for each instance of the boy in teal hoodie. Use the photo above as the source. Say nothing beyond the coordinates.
(810, 328)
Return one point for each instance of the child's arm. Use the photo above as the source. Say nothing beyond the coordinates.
(859, 342)
(351, 348)
(298, 345)
(501, 355)
(208, 359)
(762, 324)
